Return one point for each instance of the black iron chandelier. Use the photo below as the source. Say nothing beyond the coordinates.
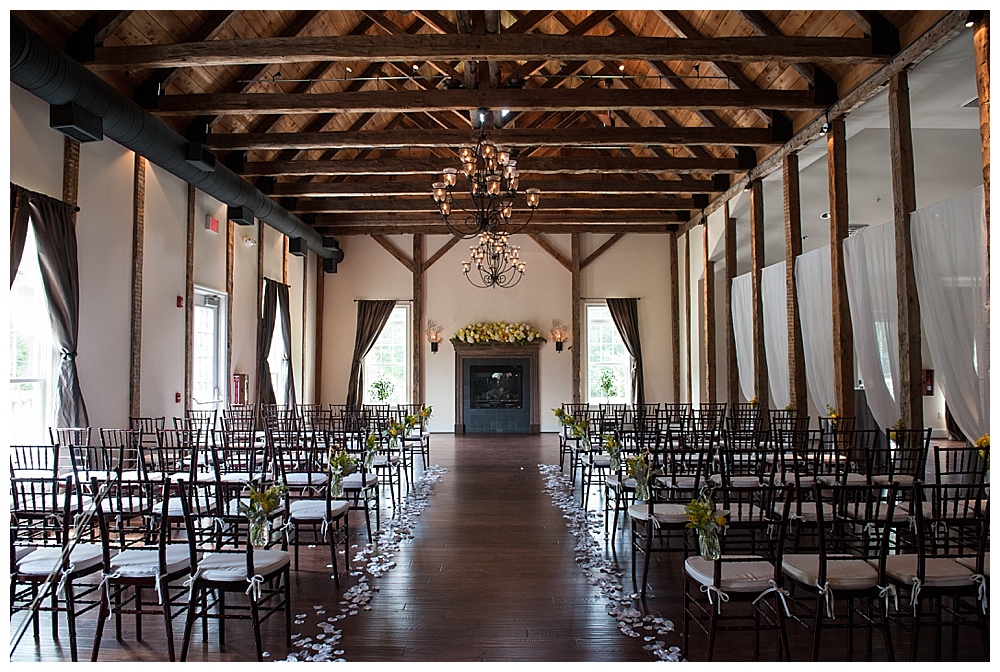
(491, 180)
(497, 261)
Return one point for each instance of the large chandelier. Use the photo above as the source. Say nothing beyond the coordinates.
(491, 180)
(496, 260)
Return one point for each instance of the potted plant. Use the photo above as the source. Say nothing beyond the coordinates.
(382, 389)
(607, 382)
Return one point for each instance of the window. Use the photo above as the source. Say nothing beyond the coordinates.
(209, 349)
(387, 364)
(33, 356)
(607, 358)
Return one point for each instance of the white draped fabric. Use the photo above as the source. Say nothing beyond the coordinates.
(870, 266)
(815, 297)
(773, 292)
(743, 331)
(952, 272)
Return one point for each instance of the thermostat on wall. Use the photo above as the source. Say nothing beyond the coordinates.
(211, 223)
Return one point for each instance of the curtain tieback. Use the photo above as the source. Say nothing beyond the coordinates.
(68, 355)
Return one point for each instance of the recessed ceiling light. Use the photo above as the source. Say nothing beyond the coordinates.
(825, 215)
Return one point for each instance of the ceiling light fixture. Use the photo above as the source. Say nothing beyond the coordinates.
(825, 128)
(491, 181)
(497, 261)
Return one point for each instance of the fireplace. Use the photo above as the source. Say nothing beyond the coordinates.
(497, 389)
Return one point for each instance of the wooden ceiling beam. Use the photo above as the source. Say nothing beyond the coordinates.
(363, 225)
(527, 47)
(554, 165)
(503, 99)
(436, 21)
(426, 204)
(591, 21)
(521, 137)
(528, 22)
(422, 188)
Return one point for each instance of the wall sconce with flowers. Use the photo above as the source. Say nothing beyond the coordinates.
(560, 332)
(433, 334)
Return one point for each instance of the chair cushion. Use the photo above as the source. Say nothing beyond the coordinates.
(308, 510)
(235, 477)
(296, 479)
(744, 481)
(737, 577)
(21, 551)
(852, 478)
(613, 481)
(665, 514)
(842, 574)
(938, 572)
(904, 480)
(233, 566)
(138, 562)
(681, 482)
(970, 563)
(353, 481)
(601, 461)
(807, 511)
(46, 558)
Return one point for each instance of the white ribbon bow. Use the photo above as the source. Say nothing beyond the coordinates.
(885, 591)
(64, 579)
(782, 594)
(159, 590)
(105, 586)
(255, 587)
(980, 580)
(190, 584)
(708, 590)
(915, 595)
(827, 595)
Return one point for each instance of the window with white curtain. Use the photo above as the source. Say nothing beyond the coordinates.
(387, 364)
(33, 355)
(607, 357)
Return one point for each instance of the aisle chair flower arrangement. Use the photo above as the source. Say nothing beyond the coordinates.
(707, 521)
(258, 510)
(341, 466)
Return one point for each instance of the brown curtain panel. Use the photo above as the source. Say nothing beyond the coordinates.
(286, 342)
(18, 227)
(625, 313)
(268, 313)
(55, 234)
(372, 316)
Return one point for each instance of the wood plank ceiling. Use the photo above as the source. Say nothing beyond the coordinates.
(626, 120)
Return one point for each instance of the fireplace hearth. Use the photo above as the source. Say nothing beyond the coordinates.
(497, 389)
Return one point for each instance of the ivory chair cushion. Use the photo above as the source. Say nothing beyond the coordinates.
(299, 479)
(353, 481)
(737, 577)
(310, 510)
(43, 560)
(665, 514)
(904, 480)
(970, 563)
(233, 566)
(614, 482)
(139, 562)
(938, 572)
(842, 574)
(807, 511)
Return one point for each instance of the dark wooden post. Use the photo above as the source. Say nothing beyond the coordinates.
(576, 307)
(843, 332)
(318, 348)
(687, 317)
(189, 299)
(708, 394)
(981, 39)
(138, 233)
(760, 384)
(793, 248)
(732, 370)
(675, 315)
(417, 395)
(230, 265)
(904, 202)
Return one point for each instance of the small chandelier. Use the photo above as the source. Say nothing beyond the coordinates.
(491, 180)
(497, 261)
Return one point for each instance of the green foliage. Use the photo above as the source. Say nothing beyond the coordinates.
(382, 389)
(608, 382)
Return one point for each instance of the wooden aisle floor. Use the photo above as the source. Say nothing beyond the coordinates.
(489, 574)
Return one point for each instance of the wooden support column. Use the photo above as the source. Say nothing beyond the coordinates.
(71, 172)
(843, 332)
(793, 248)
(417, 395)
(687, 318)
(284, 260)
(577, 348)
(904, 202)
(732, 367)
(258, 310)
(760, 381)
(981, 40)
(675, 314)
(189, 300)
(230, 265)
(305, 312)
(318, 349)
(708, 393)
(138, 233)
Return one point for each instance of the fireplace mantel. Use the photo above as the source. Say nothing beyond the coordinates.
(528, 351)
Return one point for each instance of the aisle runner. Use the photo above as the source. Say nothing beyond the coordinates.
(604, 573)
(377, 559)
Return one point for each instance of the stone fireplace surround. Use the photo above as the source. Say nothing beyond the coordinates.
(528, 351)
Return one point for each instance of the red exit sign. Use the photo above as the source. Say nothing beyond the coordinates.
(212, 224)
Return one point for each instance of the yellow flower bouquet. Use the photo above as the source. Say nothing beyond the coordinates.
(489, 333)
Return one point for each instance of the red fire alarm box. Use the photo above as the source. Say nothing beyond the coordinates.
(241, 388)
(928, 386)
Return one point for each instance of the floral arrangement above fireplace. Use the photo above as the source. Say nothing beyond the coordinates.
(491, 333)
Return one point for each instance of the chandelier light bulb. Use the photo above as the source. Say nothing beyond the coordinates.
(506, 212)
(493, 185)
(533, 196)
(439, 192)
(445, 208)
(450, 177)
(503, 156)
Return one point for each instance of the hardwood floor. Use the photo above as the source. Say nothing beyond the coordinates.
(488, 571)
